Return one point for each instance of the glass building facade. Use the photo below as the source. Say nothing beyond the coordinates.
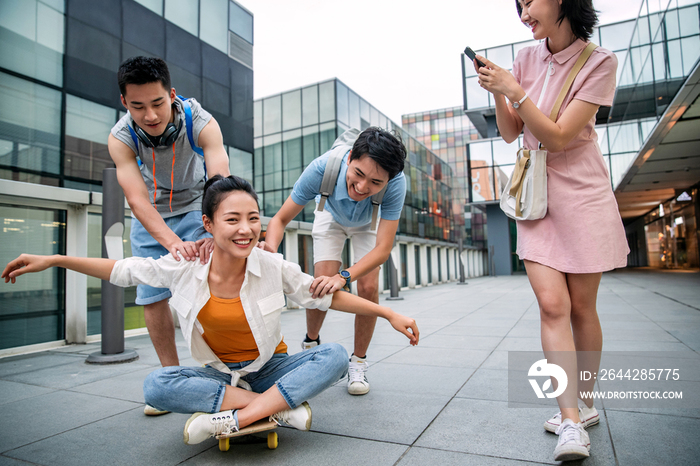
(295, 127)
(446, 132)
(58, 84)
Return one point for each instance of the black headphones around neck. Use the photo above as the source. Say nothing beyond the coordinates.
(168, 137)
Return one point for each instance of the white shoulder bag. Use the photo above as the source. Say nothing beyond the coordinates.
(525, 194)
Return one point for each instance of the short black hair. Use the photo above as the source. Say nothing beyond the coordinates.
(143, 70)
(383, 147)
(580, 13)
(218, 186)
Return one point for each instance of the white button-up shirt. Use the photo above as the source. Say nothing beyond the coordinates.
(268, 278)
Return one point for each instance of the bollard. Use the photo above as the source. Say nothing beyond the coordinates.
(393, 281)
(113, 351)
(461, 264)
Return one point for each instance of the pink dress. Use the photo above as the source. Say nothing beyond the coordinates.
(582, 231)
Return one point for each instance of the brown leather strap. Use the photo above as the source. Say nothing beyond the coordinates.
(570, 79)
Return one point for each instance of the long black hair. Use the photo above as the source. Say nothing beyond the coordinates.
(580, 13)
(216, 188)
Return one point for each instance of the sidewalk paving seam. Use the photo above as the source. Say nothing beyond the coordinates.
(653, 320)
(2, 455)
(655, 292)
(468, 379)
(69, 430)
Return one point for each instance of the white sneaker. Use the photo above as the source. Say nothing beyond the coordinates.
(149, 410)
(299, 417)
(574, 442)
(201, 426)
(357, 380)
(588, 416)
(310, 344)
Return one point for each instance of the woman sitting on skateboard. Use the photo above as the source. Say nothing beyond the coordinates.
(229, 311)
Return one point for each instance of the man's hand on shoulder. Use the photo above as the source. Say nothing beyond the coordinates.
(188, 249)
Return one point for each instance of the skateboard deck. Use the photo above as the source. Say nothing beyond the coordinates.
(256, 427)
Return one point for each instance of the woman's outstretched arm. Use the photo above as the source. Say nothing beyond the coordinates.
(29, 263)
(348, 302)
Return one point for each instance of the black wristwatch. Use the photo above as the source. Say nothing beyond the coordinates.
(348, 279)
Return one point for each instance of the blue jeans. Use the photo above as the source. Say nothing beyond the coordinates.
(298, 377)
(187, 226)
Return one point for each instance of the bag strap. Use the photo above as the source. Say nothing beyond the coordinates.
(330, 174)
(582, 59)
(340, 147)
(518, 179)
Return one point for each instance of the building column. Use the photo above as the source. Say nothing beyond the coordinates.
(76, 283)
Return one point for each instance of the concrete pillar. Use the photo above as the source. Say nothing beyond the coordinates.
(76, 283)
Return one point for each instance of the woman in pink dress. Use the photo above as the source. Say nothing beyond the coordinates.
(582, 234)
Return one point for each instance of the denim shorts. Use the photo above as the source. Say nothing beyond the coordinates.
(186, 226)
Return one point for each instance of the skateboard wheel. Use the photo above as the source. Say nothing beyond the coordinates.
(223, 444)
(272, 440)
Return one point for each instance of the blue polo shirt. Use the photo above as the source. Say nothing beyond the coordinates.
(345, 211)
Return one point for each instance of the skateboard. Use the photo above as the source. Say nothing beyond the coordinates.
(258, 426)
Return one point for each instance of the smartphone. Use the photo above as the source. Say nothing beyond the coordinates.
(472, 56)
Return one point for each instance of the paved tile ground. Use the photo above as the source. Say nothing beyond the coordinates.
(444, 402)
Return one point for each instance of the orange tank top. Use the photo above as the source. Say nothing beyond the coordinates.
(227, 332)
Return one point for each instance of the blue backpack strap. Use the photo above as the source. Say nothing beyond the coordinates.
(136, 143)
(188, 127)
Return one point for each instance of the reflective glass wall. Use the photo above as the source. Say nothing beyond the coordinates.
(58, 78)
(33, 309)
(293, 128)
(663, 50)
(446, 132)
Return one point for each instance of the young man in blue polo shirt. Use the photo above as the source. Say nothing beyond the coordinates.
(376, 160)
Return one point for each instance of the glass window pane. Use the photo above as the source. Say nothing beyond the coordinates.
(49, 28)
(183, 13)
(476, 96)
(354, 110)
(310, 146)
(87, 128)
(309, 98)
(155, 6)
(327, 136)
(240, 22)
(32, 309)
(257, 118)
(34, 133)
(292, 158)
(616, 36)
(343, 110)
(691, 51)
(326, 98)
(291, 110)
(272, 111)
(240, 163)
(213, 27)
(19, 16)
(31, 35)
(502, 56)
(689, 21)
(504, 153)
